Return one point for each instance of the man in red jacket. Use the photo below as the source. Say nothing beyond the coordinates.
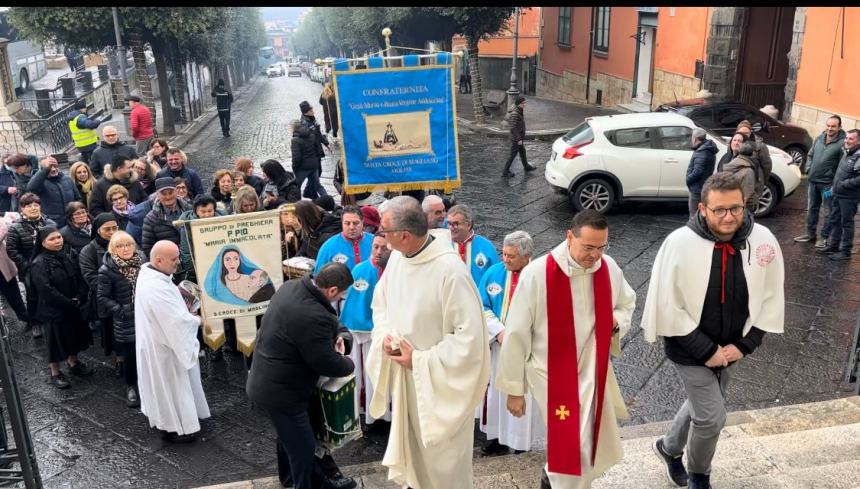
(141, 124)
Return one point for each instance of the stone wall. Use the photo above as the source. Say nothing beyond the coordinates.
(570, 87)
(812, 118)
(668, 86)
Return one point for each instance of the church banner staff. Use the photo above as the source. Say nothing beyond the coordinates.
(238, 273)
(398, 125)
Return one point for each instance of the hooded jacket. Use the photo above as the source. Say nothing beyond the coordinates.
(721, 322)
(99, 201)
(743, 168)
(56, 193)
(846, 183)
(701, 165)
(823, 158)
(304, 150)
(103, 155)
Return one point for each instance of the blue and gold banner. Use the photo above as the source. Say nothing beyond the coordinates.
(398, 125)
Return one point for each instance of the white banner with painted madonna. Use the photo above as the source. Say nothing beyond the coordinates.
(238, 263)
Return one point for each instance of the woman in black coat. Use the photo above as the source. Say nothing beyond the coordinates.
(104, 226)
(117, 278)
(281, 185)
(19, 245)
(76, 233)
(62, 292)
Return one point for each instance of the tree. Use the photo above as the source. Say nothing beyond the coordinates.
(204, 28)
(476, 24)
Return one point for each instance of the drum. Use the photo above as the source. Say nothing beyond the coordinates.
(333, 417)
(298, 267)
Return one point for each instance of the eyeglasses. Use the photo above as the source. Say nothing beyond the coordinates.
(118, 199)
(721, 212)
(592, 249)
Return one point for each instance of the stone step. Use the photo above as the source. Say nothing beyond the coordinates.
(808, 446)
(635, 105)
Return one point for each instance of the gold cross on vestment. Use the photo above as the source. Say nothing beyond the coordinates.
(562, 412)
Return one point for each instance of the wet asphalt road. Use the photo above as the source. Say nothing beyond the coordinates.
(85, 437)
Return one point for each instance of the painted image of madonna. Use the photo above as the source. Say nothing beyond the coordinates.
(234, 279)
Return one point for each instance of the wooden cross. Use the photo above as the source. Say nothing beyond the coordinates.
(562, 412)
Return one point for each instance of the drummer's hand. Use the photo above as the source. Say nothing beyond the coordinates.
(405, 357)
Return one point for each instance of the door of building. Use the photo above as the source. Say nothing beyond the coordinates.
(644, 70)
(763, 65)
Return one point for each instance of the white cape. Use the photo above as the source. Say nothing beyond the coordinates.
(679, 280)
(171, 393)
(431, 301)
(524, 361)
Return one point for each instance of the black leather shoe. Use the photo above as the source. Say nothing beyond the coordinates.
(174, 437)
(131, 398)
(841, 256)
(544, 480)
(507, 174)
(675, 471)
(59, 381)
(699, 481)
(341, 482)
(530, 168)
(827, 250)
(80, 369)
(494, 448)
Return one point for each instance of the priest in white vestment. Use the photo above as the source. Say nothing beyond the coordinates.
(567, 313)
(171, 393)
(429, 353)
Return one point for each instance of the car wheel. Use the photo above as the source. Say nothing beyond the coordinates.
(595, 194)
(768, 200)
(798, 156)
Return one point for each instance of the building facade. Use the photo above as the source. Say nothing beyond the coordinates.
(797, 59)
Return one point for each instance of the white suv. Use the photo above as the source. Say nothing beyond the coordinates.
(610, 159)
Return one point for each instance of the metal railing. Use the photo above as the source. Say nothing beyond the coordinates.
(760, 94)
(29, 133)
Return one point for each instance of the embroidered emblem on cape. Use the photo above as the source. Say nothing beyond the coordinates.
(494, 289)
(764, 254)
(481, 260)
(340, 258)
(360, 285)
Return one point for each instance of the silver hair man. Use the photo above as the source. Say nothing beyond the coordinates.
(464, 211)
(521, 240)
(699, 134)
(434, 209)
(405, 215)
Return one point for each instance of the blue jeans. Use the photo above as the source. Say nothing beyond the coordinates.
(816, 198)
(842, 224)
(314, 188)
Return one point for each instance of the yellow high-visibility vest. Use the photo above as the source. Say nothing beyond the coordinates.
(82, 137)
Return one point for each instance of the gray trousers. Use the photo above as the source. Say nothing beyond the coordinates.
(693, 203)
(698, 423)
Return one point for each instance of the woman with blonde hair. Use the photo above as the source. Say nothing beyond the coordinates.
(246, 200)
(117, 278)
(83, 178)
(121, 207)
(329, 105)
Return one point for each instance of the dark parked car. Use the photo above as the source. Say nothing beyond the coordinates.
(722, 116)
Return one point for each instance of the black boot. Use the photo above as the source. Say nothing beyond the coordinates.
(494, 448)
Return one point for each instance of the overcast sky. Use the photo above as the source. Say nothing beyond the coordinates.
(282, 13)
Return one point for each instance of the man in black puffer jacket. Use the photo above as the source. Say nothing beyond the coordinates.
(306, 159)
(701, 167)
(108, 148)
(846, 196)
(299, 341)
(158, 224)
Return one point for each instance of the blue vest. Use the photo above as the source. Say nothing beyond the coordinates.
(339, 249)
(480, 256)
(356, 313)
(495, 289)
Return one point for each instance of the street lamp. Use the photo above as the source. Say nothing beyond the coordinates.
(126, 111)
(513, 92)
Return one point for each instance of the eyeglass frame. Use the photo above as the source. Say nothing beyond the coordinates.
(722, 211)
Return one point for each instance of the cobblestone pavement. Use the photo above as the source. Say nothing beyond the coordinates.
(85, 437)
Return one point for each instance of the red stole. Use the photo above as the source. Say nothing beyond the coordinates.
(563, 442)
(461, 247)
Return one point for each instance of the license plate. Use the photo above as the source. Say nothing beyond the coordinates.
(553, 156)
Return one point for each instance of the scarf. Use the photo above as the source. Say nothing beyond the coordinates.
(129, 269)
(124, 212)
(86, 189)
(563, 423)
